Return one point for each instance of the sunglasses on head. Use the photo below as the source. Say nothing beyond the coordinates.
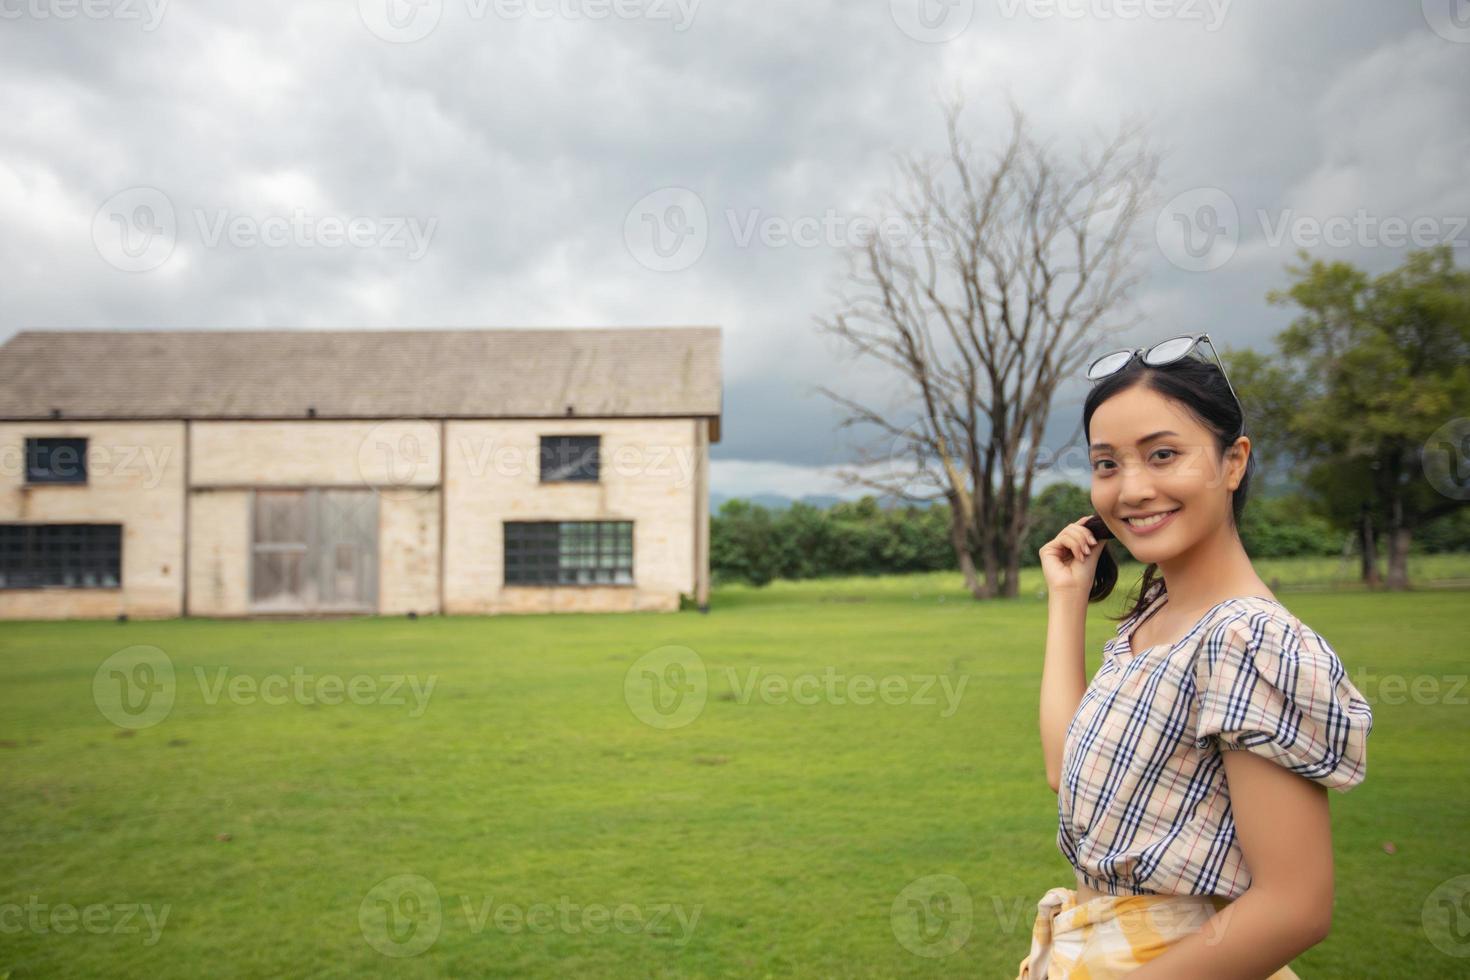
(1164, 352)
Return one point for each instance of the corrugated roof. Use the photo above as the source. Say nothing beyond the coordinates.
(461, 373)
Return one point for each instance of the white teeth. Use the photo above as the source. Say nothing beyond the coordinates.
(1147, 521)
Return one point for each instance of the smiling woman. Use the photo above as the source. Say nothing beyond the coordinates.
(1151, 815)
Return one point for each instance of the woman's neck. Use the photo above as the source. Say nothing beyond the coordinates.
(1214, 569)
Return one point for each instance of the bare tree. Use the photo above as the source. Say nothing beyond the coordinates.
(1021, 266)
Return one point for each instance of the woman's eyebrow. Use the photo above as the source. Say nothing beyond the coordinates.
(1154, 435)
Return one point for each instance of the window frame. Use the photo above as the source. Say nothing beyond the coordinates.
(595, 439)
(606, 544)
(30, 548)
(48, 477)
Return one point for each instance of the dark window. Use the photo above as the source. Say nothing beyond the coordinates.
(82, 556)
(568, 552)
(51, 460)
(569, 458)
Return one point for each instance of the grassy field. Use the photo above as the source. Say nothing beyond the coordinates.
(512, 796)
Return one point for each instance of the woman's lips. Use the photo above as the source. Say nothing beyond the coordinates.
(1150, 529)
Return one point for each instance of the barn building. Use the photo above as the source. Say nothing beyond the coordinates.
(307, 472)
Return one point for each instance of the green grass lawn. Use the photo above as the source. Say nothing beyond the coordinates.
(547, 829)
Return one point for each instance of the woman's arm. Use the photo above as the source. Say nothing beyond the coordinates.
(1063, 675)
(1284, 826)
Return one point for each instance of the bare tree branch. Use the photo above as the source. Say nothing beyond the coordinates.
(1017, 267)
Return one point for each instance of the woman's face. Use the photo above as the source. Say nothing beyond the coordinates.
(1180, 471)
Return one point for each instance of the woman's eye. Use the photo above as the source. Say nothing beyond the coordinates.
(1171, 452)
(1098, 462)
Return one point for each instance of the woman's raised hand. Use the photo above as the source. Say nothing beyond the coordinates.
(1069, 560)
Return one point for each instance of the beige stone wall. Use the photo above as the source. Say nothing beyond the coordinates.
(649, 476)
(135, 477)
(654, 473)
(408, 553)
(316, 452)
(219, 553)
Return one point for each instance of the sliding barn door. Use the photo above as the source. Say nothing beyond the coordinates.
(314, 550)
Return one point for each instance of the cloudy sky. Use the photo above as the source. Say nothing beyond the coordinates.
(460, 163)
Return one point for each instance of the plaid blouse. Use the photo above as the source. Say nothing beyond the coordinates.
(1143, 804)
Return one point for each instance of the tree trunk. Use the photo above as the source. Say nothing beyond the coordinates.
(1013, 574)
(1398, 543)
(1368, 548)
(959, 541)
(1398, 559)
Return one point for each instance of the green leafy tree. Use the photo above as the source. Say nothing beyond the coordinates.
(1369, 370)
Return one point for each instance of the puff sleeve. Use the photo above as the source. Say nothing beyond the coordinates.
(1270, 685)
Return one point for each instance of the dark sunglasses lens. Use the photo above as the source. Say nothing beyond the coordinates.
(1107, 364)
(1169, 350)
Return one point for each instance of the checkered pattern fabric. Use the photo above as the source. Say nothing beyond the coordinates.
(1143, 806)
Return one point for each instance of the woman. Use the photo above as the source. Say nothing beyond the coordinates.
(1191, 860)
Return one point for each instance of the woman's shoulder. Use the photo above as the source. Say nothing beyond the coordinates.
(1268, 682)
(1253, 624)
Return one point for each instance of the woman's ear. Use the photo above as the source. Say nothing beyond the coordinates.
(1239, 458)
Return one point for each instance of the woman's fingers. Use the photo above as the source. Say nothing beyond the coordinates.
(1091, 538)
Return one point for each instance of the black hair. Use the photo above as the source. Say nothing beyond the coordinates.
(1198, 385)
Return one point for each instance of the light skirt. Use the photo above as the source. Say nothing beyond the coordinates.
(1113, 935)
